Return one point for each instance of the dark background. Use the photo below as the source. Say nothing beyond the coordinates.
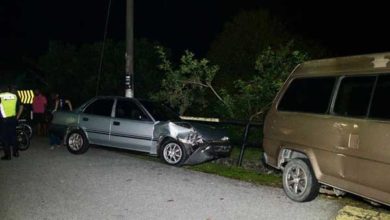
(28, 25)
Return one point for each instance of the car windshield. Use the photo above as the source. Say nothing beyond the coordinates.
(159, 111)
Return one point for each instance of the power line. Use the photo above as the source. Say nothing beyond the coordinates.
(103, 47)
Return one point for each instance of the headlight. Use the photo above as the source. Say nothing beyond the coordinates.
(192, 138)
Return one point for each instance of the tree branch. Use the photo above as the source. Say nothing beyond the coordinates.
(216, 94)
(207, 85)
(193, 82)
(262, 110)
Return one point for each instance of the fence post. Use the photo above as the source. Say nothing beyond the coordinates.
(245, 138)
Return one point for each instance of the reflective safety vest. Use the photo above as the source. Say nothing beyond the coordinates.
(8, 104)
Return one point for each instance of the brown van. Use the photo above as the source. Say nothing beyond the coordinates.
(330, 125)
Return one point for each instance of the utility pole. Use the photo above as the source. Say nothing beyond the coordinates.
(129, 80)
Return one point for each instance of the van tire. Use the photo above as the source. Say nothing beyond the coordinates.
(299, 181)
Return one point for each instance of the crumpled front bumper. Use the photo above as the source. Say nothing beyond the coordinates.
(209, 151)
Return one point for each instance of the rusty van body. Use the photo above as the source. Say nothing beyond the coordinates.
(330, 125)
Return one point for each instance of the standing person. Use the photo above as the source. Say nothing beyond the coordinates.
(39, 107)
(59, 104)
(19, 105)
(8, 120)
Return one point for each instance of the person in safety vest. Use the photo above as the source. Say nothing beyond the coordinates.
(8, 120)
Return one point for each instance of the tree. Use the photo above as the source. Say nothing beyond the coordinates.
(148, 76)
(190, 84)
(187, 84)
(73, 70)
(236, 48)
(254, 96)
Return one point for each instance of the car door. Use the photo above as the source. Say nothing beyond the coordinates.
(95, 120)
(131, 128)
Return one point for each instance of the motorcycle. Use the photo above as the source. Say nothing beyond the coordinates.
(22, 139)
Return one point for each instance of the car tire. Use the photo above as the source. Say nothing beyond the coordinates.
(299, 181)
(173, 153)
(76, 142)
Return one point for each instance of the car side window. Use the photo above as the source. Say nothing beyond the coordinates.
(127, 109)
(380, 106)
(354, 95)
(101, 107)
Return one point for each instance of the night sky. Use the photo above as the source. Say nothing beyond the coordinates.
(28, 25)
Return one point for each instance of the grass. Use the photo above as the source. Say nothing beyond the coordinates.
(233, 171)
(251, 155)
(239, 173)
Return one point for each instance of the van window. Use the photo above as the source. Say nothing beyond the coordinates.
(311, 95)
(380, 106)
(354, 96)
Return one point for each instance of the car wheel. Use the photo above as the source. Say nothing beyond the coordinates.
(299, 182)
(173, 153)
(76, 142)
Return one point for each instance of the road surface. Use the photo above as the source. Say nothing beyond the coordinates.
(109, 184)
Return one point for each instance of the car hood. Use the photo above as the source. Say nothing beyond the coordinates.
(208, 132)
(183, 128)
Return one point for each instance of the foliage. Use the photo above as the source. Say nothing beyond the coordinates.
(252, 97)
(148, 76)
(187, 84)
(236, 47)
(73, 71)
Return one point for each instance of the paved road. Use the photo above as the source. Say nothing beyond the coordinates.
(104, 184)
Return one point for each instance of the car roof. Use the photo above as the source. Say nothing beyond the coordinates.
(360, 64)
(112, 96)
(120, 97)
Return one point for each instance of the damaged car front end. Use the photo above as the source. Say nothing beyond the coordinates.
(197, 142)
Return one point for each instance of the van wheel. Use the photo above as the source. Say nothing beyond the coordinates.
(299, 182)
(76, 142)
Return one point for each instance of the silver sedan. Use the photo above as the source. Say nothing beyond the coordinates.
(139, 125)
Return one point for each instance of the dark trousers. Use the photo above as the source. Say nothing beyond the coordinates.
(54, 139)
(8, 135)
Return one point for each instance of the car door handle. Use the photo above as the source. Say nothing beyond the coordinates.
(116, 123)
(85, 119)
